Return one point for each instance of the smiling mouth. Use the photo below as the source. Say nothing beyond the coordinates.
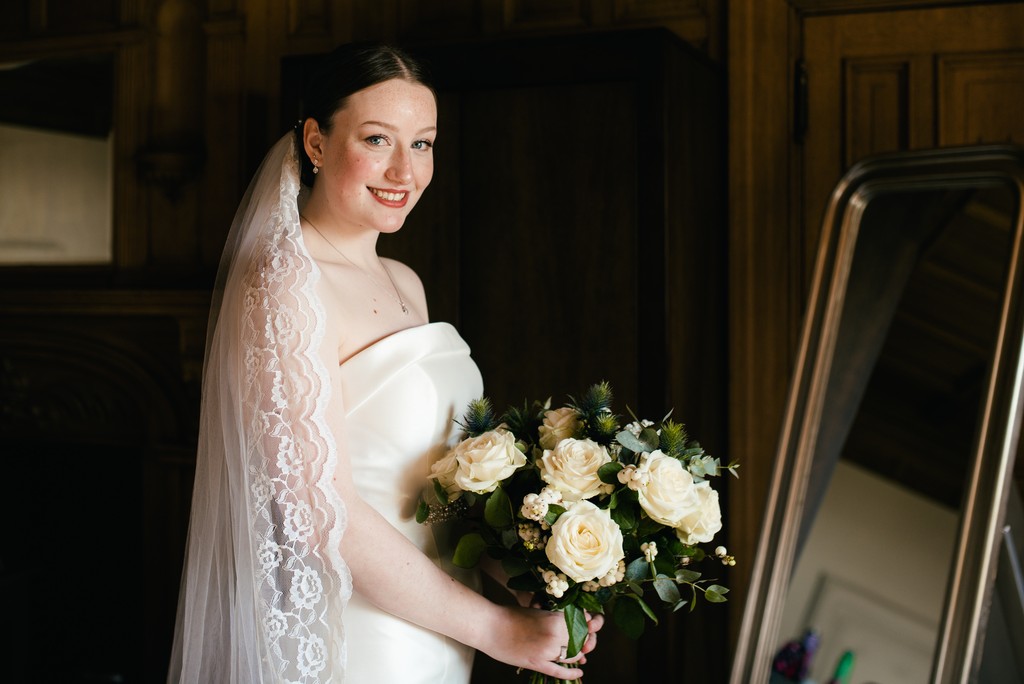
(389, 196)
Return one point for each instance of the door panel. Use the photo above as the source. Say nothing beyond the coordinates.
(902, 80)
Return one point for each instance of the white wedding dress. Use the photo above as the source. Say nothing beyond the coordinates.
(401, 396)
(266, 596)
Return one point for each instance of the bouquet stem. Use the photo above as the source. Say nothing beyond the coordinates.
(538, 678)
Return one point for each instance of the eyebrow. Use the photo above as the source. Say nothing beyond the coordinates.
(394, 128)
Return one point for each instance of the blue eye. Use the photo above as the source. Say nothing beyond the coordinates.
(377, 140)
(422, 145)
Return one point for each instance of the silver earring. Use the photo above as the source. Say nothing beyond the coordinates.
(316, 169)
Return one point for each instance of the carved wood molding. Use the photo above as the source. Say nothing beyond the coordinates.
(48, 46)
(660, 9)
(188, 308)
(819, 7)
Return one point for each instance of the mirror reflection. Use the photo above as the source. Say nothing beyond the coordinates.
(917, 334)
(891, 548)
(56, 161)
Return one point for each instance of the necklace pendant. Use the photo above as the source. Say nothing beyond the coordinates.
(405, 309)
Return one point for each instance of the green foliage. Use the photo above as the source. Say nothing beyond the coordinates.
(495, 522)
(576, 621)
(609, 472)
(440, 492)
(668, 590)
(469, 549)
(629, 616)
(716, 594)
(498, 510)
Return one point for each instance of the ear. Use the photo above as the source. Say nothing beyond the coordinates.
(312, 140)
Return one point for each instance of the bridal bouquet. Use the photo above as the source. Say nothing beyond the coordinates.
(583, 511)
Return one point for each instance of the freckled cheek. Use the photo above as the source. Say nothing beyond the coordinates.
(425, 174)
(358, 164)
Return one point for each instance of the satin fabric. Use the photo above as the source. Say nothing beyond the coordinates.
(402, 396)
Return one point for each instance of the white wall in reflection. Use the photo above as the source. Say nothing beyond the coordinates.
(872, 579)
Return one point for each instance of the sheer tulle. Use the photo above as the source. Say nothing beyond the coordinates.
(264, 584)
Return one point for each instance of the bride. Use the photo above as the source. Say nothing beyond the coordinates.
(326, 396)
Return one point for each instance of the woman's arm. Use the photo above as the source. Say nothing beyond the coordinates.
(395, 576)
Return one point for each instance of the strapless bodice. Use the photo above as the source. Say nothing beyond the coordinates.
(401, 397)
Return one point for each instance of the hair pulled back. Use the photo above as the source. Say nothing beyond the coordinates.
(345, 71)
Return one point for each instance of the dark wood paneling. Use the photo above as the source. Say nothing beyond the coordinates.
(576, 225)
(98, 417)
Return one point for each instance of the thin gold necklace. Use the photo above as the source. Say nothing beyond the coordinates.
(359, 268)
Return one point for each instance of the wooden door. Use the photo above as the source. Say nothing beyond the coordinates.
(903, 80)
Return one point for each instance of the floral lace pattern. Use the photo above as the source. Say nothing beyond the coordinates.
(296, 516)
(264, 585)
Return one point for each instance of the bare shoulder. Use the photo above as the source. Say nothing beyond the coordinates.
(402, 272)
(407, 280)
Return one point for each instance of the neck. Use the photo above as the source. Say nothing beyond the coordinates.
(358, 247)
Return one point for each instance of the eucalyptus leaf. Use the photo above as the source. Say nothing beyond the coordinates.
(468, 551)
(630, 441)
(667, 589)
(650, 439)
(684, 575)
(498, 509)
(714, 594)
(638, 570)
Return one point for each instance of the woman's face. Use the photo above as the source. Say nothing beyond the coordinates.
(378, 157)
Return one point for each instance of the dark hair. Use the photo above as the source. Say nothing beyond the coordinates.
(344, 71)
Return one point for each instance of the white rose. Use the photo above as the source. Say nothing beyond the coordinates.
(704, 522)
(670, 496)
(486, 460)
(571, 468)
(443, 470)
(558, 424)
(585, 542)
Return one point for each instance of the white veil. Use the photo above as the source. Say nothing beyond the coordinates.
(264, 584)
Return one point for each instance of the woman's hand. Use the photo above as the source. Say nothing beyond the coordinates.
(536, 640)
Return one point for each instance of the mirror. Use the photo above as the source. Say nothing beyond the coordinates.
(56, 160)
(892, 517)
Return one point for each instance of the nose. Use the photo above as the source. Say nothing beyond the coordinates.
(400, 167)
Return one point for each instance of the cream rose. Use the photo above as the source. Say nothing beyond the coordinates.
(486, 460)
(571, 468)
(443, 470)
(705, 521)
(585, 542)
(670, 496)
(558, 424)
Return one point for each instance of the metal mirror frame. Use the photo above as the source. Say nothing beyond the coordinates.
(990, 474)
